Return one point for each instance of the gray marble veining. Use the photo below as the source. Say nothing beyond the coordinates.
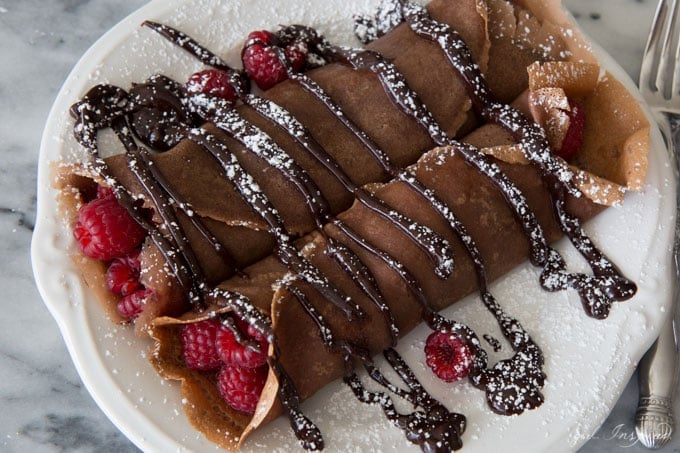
(45, 407)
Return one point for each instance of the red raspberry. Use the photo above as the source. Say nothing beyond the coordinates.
(241, 387)
(260, 37)
(212, 81)
(105, 230)
(235, 354)
(122, 276)
(296, 52)
(263, 66)
(262, 63)
(130, 306)
(198, 341)
(574, 139)
(448, 356)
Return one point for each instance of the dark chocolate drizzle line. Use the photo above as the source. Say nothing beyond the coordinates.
(305, 430)
(597, 290)
(433, 245)
(397, 88)
(436, 429)
(163, 208)
(362, 277)
(237, 78)
(493, 342)
(557, 178)
(286, 252)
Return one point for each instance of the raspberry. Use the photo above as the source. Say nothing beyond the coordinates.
(105, 230)
(212, 81)
(198, 341)
(241, 387)
(296, 52)
(448, 356)
(122, 276)
(235, 354)
(130, 306)
(262, 63)
(260, 37)
(263, 66)
(574, 139)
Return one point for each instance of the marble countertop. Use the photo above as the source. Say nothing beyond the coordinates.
(45, 407)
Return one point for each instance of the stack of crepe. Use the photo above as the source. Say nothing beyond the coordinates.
(530, 56)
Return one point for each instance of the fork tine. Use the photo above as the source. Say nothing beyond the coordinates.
(667, 58)
(651, 56)
(675, 74)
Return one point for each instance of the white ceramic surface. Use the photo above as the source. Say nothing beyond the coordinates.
(588, 362)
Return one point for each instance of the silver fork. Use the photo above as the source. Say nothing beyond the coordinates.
(658, 370)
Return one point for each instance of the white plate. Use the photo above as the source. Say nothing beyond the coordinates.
(588, 362)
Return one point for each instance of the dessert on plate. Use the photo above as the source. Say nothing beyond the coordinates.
(271, 243)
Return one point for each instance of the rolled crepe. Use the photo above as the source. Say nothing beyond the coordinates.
(199, 181)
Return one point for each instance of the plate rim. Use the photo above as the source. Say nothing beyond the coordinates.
(158, 439)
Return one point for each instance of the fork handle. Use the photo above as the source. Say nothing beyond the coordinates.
(658, 369)
(657, 377)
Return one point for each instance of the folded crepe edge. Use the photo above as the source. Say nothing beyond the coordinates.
(612, 159)
(204, 407)
(74, 184)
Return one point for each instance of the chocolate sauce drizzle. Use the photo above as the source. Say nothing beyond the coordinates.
(607, 284)
(433, 427)
(160, 108)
